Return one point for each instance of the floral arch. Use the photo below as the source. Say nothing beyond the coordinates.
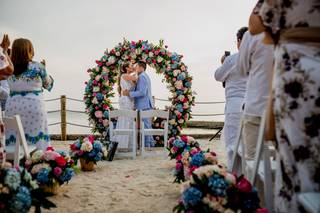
(99, 88)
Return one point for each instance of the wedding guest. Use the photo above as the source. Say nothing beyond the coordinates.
(235, 87)
(4, 93)
(255, 61)
(6, 69)
(294, 27)
(26, 95)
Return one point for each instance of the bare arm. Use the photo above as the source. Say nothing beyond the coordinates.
(128, 77)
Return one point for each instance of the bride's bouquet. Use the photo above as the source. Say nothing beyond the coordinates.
(88, 150)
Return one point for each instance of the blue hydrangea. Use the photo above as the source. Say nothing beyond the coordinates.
(92, 154)
(97, 146)
(62, 152)
(21, 202)
(181, 77)
(43, 176)
(187, 84)
(178, 143)
(99, 96)
(98, 157)
(174, 65)
(179, 92)
(179, 108)
(12, 179)
(218, 185)
(78, 144)
(175, 57)
(197, 159)
(106, 114)
(67, 175)
(191, 196)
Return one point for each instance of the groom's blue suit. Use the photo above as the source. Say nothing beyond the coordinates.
(143, 101)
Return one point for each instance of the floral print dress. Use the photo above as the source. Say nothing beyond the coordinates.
(296, 87)
(26, 99)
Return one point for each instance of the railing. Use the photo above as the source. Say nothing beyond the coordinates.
(63, 113)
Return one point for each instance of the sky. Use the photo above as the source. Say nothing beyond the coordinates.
(71, 34)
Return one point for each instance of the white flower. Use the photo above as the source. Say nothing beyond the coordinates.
(86, 146)
(172, 121)
(118, 54)
(181, 97)
(178, 84)
(97, 78)
(176, 72)
(96, 89)
(159, 59)
(94, 100)
(111, 60)
(138, 51)
(151, 54)
(36, 156)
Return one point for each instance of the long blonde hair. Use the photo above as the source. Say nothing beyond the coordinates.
(123, 70)
(21, 54)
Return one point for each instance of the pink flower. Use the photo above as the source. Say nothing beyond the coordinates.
(178, 166)
(91, 138)
(261, 211)
(184, 138)
(244, 185)
(50, 148)
(179, 157)
(193, 151)
(50, 155)
(175, 149)
(98, 114)
(57, 171)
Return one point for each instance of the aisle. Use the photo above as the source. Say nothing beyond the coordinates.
(141, 185)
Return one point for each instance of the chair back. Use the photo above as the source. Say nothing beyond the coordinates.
(16, 124)
(123, 112)
(154, 113)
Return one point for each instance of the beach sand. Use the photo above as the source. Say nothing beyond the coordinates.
(125, 185)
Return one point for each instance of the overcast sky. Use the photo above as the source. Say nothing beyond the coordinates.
(72, 34)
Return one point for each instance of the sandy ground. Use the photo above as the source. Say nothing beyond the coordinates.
(125, 185)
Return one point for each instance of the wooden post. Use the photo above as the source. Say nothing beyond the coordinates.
(63, 113)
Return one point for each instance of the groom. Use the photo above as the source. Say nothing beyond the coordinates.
(142, 97)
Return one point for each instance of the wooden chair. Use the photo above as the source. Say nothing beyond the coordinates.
(13, 152)
(129, 132)
(149, 114)
(310, 201)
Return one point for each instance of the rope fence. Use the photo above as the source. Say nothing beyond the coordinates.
(63, 113)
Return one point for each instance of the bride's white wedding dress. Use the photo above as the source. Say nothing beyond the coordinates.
(125, 102)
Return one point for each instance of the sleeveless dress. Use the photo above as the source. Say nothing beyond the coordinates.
(125, 102)
(26, 99)
(296, 88)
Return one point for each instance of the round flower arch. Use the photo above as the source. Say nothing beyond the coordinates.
(99, 88)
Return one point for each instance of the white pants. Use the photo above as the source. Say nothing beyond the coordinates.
(230, 131)
(251, 125)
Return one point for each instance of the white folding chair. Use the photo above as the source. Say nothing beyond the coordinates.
(149, 114)
(265, 169)
(129, 132)
(13, 151)
(310, 201)
(263, 166)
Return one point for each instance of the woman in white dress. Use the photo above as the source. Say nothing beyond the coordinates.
(126, 81)
(27, 83)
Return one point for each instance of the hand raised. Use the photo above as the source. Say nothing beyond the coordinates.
(5, 42)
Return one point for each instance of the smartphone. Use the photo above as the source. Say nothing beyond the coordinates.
(227, 53)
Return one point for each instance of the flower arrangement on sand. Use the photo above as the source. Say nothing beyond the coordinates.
(88, 150)
(178, 144)
(99, 88)
(190, 160)
(50, 168)
(212, 189)
(18, 191)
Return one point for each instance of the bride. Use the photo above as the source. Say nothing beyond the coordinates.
(126, 81)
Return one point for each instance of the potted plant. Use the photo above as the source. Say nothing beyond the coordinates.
(51, 169)
(88, 150)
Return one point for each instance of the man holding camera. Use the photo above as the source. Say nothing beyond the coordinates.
(235, 88)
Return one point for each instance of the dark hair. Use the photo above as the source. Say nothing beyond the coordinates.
(142, 64)
(241, 32)
(22, 53)
(123, 70)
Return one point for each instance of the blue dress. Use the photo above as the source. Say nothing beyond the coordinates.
(26, 99)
